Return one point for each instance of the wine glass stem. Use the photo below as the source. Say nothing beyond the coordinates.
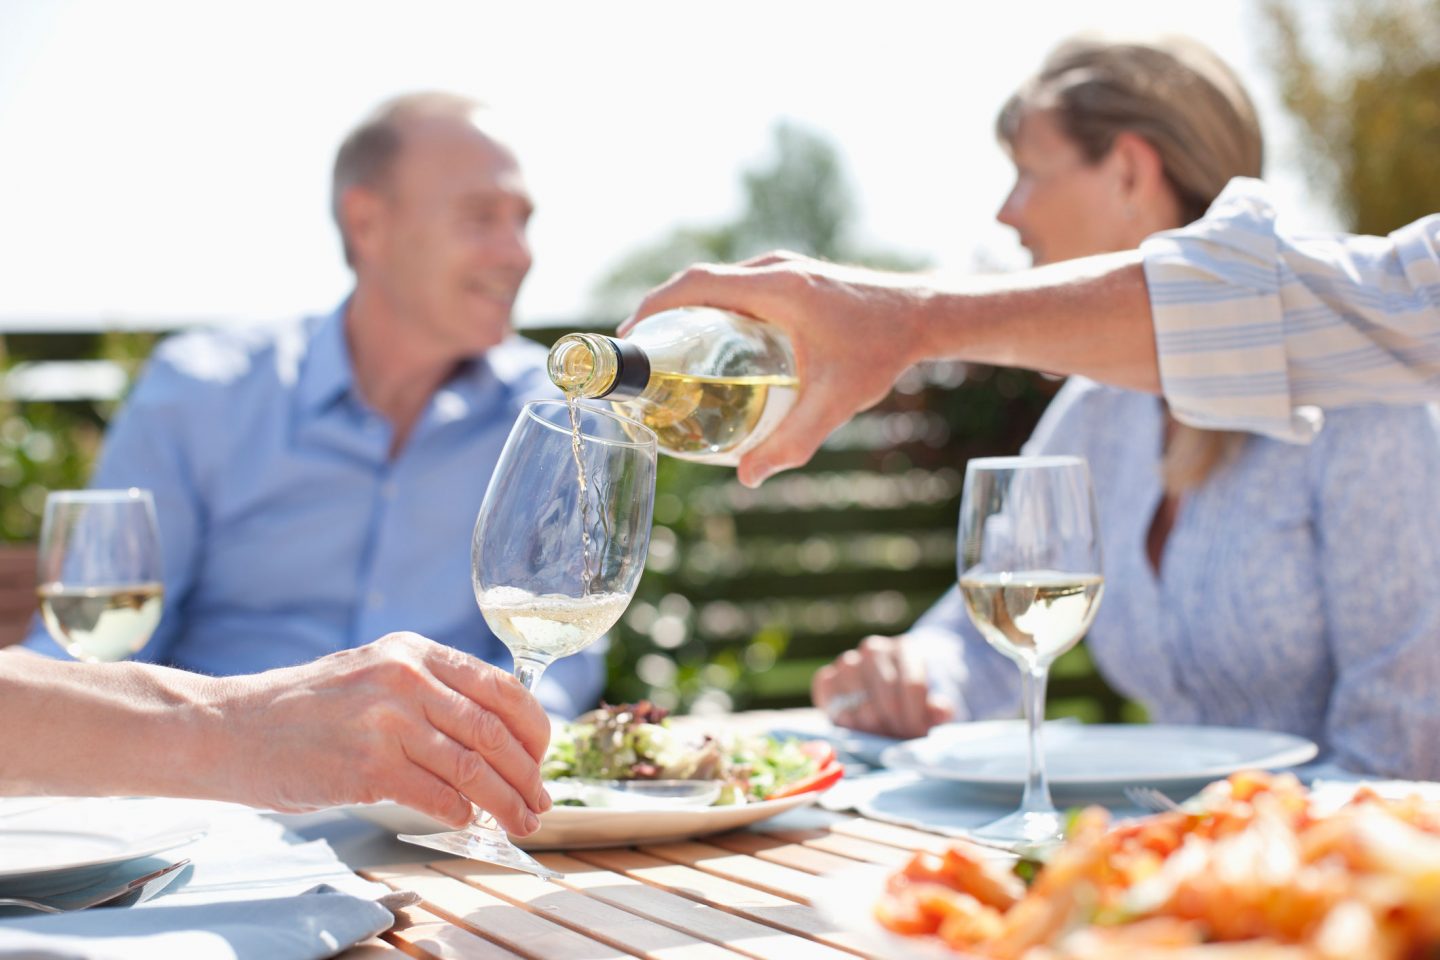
(528, 672)
(1037, 788)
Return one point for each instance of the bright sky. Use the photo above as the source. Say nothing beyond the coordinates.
(169, 159)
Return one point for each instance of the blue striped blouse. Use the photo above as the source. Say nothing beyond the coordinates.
(1256, 329)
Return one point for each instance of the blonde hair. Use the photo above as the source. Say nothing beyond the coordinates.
(368, 152)
(1184, 101)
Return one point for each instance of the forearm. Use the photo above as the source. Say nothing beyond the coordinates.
(105, 729)
(1089, 317)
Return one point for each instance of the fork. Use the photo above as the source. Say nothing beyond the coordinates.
(1148, 798)
(134, 891)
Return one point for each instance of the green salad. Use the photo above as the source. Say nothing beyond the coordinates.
(636, 742)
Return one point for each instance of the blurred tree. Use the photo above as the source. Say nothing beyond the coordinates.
(799, 200)
(1368, 102)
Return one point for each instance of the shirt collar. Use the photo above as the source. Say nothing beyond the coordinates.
(326, 374)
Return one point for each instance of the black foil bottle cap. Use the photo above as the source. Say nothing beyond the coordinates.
(633, 373)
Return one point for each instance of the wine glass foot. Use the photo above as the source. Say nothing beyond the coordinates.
(491, 846)
(1024, 831)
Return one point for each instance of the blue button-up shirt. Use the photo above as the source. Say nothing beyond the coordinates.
(287, 530)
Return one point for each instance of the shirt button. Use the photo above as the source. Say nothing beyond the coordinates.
(376, 600)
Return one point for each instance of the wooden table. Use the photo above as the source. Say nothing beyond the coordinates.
(740, 894)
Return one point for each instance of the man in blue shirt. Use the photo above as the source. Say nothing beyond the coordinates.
(316, 482)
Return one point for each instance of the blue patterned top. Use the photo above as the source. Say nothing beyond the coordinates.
(1299, 588)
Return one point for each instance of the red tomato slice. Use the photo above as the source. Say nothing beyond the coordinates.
(821, 779)
(820, 751)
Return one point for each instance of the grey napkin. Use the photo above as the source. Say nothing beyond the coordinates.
(304, 927)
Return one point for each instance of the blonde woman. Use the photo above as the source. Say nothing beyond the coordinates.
(1250, 582)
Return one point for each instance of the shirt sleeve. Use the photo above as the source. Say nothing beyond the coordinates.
(979, 682)
(145, 446)
(1256, 330)
(1378, 532)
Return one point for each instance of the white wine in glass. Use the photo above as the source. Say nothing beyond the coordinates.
(99, 579)
(555, 561)
(1030, 576)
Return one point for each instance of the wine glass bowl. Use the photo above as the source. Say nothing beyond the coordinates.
(99, 579)
(1030, 577)
(558, 550)
(554, 564)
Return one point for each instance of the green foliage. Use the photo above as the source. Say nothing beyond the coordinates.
(48, 446)
(1369, 105)
(798, 200)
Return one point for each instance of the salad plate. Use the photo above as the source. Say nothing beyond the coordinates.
(621, 757)
(576, 828)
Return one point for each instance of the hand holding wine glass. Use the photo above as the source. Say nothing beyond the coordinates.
(558, 550)
(100, 580)
(1031, 579)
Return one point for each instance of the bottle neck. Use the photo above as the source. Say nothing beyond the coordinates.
(591, 366)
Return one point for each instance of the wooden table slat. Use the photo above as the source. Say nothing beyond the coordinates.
(907, 838)
(770, 877)
(784, 852)
(374, 949)
(492, 918)
(420, 933)
(726, 894)
(591, 916)
(853, 848)
(738, 933)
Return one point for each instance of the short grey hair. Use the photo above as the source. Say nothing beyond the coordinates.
(368, 152)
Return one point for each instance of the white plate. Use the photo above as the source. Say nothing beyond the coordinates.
(33, 849)
(1097, 758)
(577, 828)
(847, 899)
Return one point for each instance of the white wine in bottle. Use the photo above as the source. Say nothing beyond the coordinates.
(711, 384)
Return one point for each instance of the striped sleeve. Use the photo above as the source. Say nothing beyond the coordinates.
(1257, 330)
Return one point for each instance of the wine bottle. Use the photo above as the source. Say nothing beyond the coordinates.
(710, 383)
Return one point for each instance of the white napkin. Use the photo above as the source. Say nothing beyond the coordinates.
(248, 893)
(305, 927)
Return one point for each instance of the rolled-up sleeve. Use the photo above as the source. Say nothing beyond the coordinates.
(1256, 330)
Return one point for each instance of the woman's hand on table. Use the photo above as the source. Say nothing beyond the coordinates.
(880, 687)
(403, 719)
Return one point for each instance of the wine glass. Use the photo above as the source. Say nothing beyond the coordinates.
(558, 550)
(1029, 563)
(100, 582)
